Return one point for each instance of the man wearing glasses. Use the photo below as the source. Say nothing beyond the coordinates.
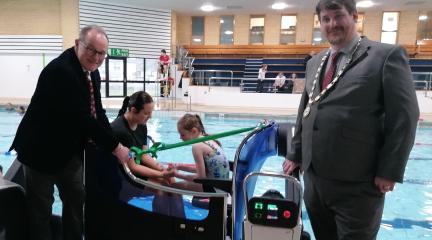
(65, 113)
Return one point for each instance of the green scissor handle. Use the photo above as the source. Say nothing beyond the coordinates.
(137, 153)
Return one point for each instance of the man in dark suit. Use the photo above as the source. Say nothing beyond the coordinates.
(64, 114)
(355, 127)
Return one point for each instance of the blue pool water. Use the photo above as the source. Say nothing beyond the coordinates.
(408, 210)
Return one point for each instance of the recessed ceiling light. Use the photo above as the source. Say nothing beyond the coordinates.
(228, 32)
(279, 6)
(423, 17)
(364, 4)
(207, 8)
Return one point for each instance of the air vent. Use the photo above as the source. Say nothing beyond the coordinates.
(414, 3)
(234, 7)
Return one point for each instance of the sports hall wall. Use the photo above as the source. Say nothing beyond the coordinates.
(59, 21)
(371, 28)
(32, 33)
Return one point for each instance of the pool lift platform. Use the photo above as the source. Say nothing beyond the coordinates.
(120, 205)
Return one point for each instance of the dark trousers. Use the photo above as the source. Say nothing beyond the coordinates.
(340, 210)
(40, 190)
(260, 86)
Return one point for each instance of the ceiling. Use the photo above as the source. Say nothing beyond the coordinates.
(191, 7)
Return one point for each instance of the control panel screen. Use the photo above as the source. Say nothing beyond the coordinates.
(273, 212)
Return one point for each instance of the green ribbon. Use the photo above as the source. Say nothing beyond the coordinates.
(137, 153)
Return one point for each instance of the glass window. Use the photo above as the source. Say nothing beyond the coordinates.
(135, 69)
(227, 30)
(317, 37)
(197, 30)
(390, 27)
(424, 29)
(359, 24)
(288, 29)
(152, 85)
(256, 34)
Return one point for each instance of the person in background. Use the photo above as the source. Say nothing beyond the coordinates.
(10, 107)
(261, 77)
(21, 110)
(279, 82)
(166, 80)
(131, 129)
(210, 159)
(64, 114)
(164, 61)
(308, 57)
(354, 131)
(289, 84)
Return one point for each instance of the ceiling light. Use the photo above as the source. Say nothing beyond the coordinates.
(364, 4)
(317, 39)
(221, 21)
(423, 17)
(197, 39)
(279, 6)
(207, 8)
(228, 32)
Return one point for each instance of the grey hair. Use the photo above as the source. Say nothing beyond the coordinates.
(86, 29)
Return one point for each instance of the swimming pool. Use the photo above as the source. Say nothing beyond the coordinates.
(408, 210)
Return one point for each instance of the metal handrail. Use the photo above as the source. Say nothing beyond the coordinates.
(213, 71)
(256, 79)
(222, 78)
(158, 186)
(426, 88)
(429, 80)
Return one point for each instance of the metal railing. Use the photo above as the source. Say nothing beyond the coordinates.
(249, 84)
(230, 81)
(423, 81)
(200, 80)
(426, 86)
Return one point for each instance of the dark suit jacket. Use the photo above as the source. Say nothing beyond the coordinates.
(365, 126)
(58, 121)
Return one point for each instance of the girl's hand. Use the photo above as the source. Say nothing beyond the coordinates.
(167, 173)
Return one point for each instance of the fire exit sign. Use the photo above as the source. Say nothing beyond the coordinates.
(119, 52)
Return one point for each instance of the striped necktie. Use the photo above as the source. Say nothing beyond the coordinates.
(92, 98)
(331, 71)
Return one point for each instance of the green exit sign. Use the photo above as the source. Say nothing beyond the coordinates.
(119, 52)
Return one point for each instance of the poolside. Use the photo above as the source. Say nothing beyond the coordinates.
(408, 210)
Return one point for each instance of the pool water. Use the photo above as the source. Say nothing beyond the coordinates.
(408, 209)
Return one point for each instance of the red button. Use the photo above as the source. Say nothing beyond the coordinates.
(286, 214)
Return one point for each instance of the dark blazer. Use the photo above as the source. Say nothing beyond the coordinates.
(58, 122)
(365, 126)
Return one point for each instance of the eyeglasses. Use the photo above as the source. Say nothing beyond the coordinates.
(93, 51)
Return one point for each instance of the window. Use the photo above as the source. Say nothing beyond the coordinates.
(256, 35)
(390, 27)
(424, 30)
(197, 30)
(359, 24)
(288, 29)
(317, 37)
(227, 30)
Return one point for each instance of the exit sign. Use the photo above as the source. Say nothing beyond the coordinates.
(118, 52)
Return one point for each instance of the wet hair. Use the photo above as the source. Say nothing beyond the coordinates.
(350, 6)
(136, 100)
(189, 121)
(163, 51)
(86, 29)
